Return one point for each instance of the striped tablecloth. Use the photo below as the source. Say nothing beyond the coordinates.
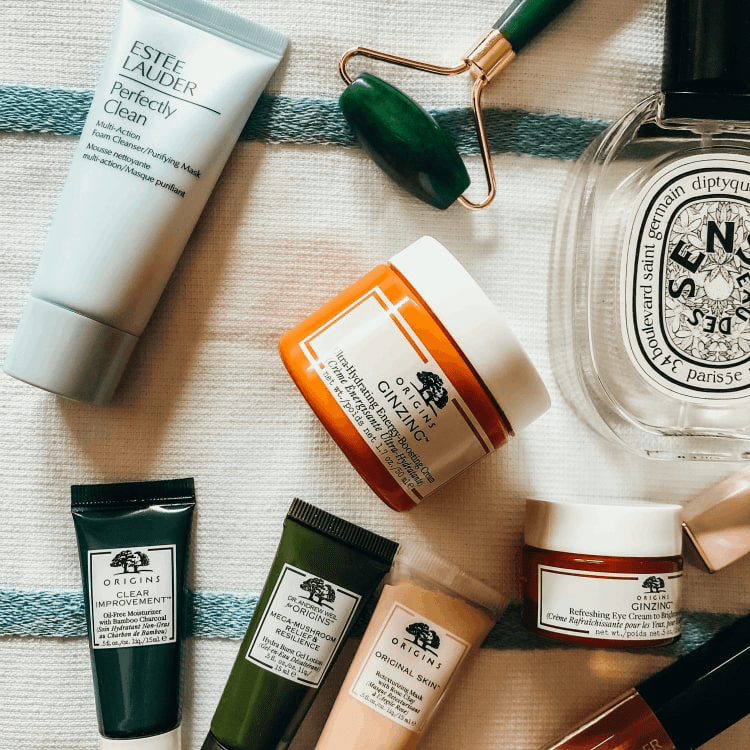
(299, 213)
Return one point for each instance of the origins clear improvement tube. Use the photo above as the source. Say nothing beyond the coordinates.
(133, 540)
(176, 89)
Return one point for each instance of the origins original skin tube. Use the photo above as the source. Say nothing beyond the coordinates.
(429, 618)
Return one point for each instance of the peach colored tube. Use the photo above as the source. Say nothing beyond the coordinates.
(354, 725)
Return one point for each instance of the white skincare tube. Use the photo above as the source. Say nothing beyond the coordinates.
(177, 87)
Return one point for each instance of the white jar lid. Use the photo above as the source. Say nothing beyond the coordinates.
(636, 529)
(477, 327)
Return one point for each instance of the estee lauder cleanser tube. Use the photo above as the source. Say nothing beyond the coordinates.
(177, 87)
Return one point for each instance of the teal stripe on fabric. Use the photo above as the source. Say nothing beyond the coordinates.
(281, 119)
(59, 614)
(33, 110)
(219, 615)
(46, 613)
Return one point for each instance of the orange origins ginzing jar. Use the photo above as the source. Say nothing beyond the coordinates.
(414, 373)
(603, 575)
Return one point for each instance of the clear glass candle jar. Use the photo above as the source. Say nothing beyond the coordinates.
(603, 575)
(414, 373)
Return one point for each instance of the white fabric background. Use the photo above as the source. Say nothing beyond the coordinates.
(207, 396)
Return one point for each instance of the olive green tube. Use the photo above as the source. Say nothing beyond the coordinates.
(324, 571)
(133, 544)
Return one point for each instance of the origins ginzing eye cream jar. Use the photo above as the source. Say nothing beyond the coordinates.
(603, 575)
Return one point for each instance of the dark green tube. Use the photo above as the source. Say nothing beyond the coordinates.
(133, 544)
(324, 571)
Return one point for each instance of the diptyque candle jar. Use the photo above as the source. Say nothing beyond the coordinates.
(414, 373)
(603, 575)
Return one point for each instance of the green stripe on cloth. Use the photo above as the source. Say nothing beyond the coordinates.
(59, 614)
(283, 119)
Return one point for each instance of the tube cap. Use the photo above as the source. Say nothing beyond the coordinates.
(167, 741)
(706, 68)
(61, 351)
(717, 522)
(638, 529)
(417, 561)
(477, 327)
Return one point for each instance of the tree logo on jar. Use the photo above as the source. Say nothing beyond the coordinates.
(423, 636)
(654, 584)
(432, 390)
(319, 591)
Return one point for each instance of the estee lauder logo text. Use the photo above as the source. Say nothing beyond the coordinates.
(162, 68)
(145, 74)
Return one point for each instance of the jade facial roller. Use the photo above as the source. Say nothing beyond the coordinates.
(407, 142)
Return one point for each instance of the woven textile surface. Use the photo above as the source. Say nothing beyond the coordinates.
(299, 213)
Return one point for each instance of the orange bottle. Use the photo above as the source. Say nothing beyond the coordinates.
(414, 373)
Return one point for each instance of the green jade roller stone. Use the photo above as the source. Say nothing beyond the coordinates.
(404, 140)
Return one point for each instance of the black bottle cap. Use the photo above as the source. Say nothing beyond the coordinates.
(706, 69)
(706, 691)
